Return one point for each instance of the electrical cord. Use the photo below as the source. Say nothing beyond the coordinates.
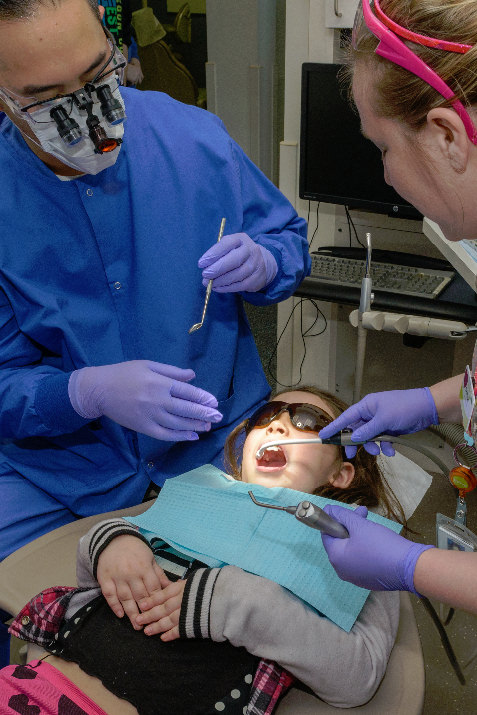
(448, 649)
(317, 222)
(304, 334)
(408, 441)
(444, 639)
(351, 224)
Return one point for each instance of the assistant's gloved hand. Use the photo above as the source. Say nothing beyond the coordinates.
(144, 396)
(374, 556)
(393, 412)
(237, 264)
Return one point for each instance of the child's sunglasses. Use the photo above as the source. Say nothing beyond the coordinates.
(304, 417)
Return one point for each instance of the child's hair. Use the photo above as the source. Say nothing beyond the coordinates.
(399, 94)
(368, 486)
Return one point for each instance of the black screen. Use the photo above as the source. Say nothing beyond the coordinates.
(337, 164)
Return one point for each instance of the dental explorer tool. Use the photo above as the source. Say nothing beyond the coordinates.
(196, 326)
(310, 515)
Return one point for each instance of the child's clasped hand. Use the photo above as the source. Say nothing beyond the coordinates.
(161, 611)
(128, 573)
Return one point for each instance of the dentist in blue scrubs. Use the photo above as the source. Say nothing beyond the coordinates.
(108, 232)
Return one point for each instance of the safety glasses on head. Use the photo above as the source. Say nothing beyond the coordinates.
(393, 49)
(305, 417)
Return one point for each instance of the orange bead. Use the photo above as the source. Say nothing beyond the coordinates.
(463, 479)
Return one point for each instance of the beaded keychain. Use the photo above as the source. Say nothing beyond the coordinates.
(453, 533)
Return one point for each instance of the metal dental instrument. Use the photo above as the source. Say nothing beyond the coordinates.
(310, 515)
(341, 439)
(196, 326)
(469, 329)
(366, 298)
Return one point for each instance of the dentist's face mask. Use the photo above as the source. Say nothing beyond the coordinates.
(83, 129)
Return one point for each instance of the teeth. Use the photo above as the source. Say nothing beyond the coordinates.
(266, 452)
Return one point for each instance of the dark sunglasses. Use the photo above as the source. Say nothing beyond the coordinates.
(304, 417)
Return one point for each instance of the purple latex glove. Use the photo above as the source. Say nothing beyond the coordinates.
(237, 264)
(374, 557)
(144, 396)
(393, 412)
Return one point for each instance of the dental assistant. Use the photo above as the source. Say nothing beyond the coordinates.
(416, 93)
(108, 236)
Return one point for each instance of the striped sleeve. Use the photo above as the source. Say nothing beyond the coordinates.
(194, 619)
(97, 539)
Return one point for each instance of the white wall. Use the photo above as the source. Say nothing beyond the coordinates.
(240, 73)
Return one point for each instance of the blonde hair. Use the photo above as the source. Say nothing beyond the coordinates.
(399, 94)
(368, 486)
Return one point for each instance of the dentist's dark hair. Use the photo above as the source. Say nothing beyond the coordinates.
(25, 9)
(368, 487)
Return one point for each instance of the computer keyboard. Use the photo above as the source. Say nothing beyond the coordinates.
(407, 280)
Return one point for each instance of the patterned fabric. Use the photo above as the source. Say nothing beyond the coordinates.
(271, 682)
(194, 618)
(174, 564)
(40, 619)
(183, 676)
(40, 689)
(43, 616)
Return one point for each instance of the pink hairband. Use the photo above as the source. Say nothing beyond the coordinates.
(393, 49)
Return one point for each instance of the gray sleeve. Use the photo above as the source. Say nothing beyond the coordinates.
(344, 669)
(93, 543)
(90, 547)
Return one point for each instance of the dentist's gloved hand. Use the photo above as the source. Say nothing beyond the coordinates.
(144, 396)
(393, 412)
(238, 264)
(374, 557)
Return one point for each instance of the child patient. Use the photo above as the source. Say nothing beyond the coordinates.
(170, 635)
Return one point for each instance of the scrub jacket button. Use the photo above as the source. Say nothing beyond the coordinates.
(150, 465)
(117, 285)
(89, 192)
(25, 620)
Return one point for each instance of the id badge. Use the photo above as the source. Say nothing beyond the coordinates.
(453, 536)
(467, 405)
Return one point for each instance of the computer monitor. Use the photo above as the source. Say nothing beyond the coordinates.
(337, 164)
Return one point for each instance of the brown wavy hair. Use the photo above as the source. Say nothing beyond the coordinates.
(368, 487)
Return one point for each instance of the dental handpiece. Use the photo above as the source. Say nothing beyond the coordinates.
(310, 515)
(341, 439)
(313, 516)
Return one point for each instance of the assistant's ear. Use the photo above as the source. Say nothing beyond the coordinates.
(343, 478)
(101, 11)
(446, 132)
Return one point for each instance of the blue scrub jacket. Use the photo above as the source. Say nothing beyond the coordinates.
(103, 269)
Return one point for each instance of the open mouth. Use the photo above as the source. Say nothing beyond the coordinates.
(272, 459)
